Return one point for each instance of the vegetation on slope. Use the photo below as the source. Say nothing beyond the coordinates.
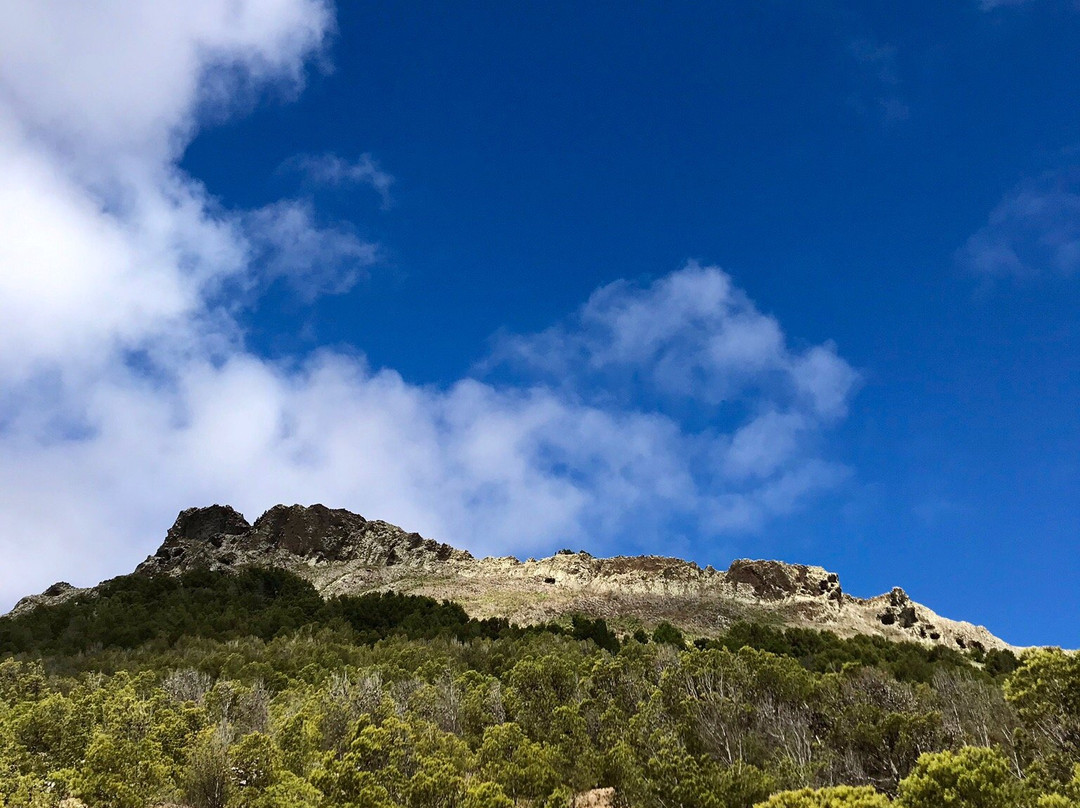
(136, 610)
(247, 690)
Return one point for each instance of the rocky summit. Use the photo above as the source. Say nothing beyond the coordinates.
(343, 553)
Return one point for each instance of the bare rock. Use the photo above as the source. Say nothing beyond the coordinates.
(58, 593)
(342, 553)
(594, 798)
(319, 531)
(775, 580)
(202, 524)
(294, 537)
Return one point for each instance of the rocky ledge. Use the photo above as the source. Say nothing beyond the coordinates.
(343, 553)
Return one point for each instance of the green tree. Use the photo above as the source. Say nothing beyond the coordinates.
(376, 769)
(20, 681)
(436, 784)
(971, 777)
(354, 789)
(486, 795)
(122, 773)
(288, 791)
(1045, 690)
(205, 779)
(254, 762)
(55, 731)
(669, 634)
(537, 688)
(523, 768)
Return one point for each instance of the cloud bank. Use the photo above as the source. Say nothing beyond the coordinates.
(662, 414)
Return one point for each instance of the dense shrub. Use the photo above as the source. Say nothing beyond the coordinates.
(221, 691)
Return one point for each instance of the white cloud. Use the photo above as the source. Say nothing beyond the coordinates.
(691, 335)
(121, 80)
(74, 283)
(1034, 232)
(655, 414)
(498, 468)
(106, 245)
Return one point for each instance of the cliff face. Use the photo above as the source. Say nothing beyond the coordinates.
(344, 553)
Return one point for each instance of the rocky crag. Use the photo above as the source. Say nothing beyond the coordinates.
(344, 553)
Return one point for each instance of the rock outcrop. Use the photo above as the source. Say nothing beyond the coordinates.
(57, 593)
(295, 537)
(343, 553)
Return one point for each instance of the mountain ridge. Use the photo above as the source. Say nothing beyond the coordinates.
(342, 553)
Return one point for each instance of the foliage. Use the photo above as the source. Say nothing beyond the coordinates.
(667, 633)
(134, 610)
(836, 797)
(222, 691)
(972, 777)
(824, 652)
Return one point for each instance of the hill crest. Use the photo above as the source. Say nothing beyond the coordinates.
(342, 553)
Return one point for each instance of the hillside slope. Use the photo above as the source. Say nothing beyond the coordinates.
(343, 553)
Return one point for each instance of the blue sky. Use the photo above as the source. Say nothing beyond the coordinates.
(760, 280)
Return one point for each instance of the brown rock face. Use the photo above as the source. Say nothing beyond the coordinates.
(202, 524)
(199, 525)
(58, 589)
(775, 580)
(57, 593)
(318, 531)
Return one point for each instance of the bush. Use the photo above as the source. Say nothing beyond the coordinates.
(837, 797)
(972, 777)
(666, 633)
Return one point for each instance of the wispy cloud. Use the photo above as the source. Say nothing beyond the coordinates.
(1034, 232)
(674, 411)
(285, 242)
(990, 5)
(880, 77)
(330, 169)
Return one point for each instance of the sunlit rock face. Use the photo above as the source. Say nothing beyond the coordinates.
(341, 553)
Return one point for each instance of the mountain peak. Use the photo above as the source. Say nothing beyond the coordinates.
(202, 524)
(287, 536)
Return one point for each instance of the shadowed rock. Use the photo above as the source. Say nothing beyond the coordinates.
(203, 524)
(328, 533)
(775, 580)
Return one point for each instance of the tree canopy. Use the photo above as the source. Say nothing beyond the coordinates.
(216, 690)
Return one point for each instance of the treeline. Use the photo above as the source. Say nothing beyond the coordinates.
(823, 651)
(136, 610)
(388, 701)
